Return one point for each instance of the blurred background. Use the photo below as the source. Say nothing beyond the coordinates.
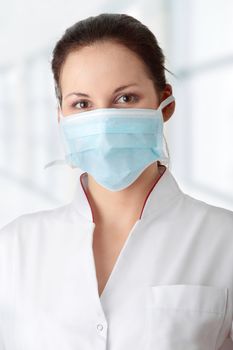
(196, 37)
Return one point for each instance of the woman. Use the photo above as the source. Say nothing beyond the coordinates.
(132, 262)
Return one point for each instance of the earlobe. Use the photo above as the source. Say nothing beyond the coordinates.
(168, 111)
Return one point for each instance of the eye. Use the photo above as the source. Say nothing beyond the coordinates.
(77, 102)
(126, 98)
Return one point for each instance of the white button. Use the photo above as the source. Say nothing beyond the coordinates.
(100, 327)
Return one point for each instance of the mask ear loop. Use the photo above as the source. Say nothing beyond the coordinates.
(166, 102)
(57, 161)
(168, 160)
(60, 110)
(163, 104)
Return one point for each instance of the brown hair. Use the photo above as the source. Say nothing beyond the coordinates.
(120, 28)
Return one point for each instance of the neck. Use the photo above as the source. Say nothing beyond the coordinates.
(109, 206)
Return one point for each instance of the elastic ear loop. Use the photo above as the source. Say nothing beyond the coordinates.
(60, 110)
(166, 102)
(163, 104)
(167, 151)
(57, 161)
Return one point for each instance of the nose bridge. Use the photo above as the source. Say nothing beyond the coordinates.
(103, 103)
(103, 98)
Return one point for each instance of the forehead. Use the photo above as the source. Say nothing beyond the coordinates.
(100, 61)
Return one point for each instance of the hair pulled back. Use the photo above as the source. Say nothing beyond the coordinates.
(120, 28)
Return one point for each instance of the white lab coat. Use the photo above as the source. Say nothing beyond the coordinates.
(170, 289)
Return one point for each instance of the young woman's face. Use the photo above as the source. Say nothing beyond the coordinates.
(110, 76)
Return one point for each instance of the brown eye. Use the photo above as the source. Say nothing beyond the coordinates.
(82, 102)
(129, 98)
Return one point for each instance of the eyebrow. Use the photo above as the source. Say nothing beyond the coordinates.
(85, 95)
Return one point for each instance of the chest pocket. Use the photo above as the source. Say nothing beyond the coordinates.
(184, 316)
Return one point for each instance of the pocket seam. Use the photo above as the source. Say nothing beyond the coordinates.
(186, 310)
(219, 311)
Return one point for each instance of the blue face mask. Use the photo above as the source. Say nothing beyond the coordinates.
(114, 145)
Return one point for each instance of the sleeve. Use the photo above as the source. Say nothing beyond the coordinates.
(7, 246)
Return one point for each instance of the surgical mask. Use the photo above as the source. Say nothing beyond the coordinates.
(114, 145)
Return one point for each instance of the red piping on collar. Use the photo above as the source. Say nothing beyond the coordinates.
(148, 194)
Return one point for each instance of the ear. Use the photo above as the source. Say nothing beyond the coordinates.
(169, 109)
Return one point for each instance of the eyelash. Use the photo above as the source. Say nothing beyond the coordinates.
(129, 94)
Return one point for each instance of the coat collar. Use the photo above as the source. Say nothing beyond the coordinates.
(161, 194)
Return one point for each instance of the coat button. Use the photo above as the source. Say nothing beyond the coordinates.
(100, 327)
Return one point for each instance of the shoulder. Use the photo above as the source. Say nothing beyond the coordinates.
(33, 221)
(207, 213)
(208, 208)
